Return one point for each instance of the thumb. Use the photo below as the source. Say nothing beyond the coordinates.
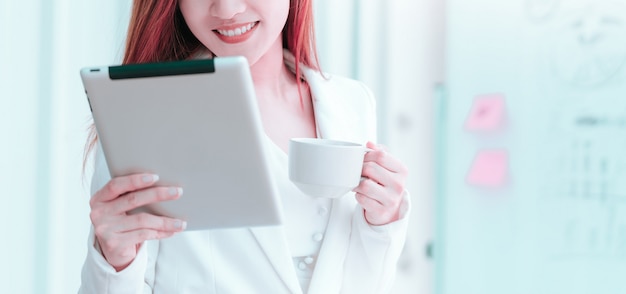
(374, 146)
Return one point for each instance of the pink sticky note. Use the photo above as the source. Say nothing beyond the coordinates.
(489, 169)
(487, 113)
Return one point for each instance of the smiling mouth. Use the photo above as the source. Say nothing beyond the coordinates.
(238, 31)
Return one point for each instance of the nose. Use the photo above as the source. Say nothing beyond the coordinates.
(227, 9)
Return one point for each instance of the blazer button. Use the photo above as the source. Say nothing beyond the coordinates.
(318, 237)
(308, 260)
(302, 265)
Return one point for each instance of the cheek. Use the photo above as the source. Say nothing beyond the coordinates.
(194, 12)
(274, 10)
(282, 10)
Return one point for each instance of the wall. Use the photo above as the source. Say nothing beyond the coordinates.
(532, 197)
(43, 121)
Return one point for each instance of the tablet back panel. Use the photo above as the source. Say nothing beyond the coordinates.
(195, 124)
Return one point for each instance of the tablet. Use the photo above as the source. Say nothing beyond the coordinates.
(196, 124)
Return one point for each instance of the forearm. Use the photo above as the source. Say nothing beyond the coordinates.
(98, 276)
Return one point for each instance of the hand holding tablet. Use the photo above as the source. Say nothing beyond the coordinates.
(195, 124)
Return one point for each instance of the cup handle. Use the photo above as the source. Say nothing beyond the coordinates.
(366, 150)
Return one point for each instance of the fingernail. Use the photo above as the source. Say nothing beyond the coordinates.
(150, 178)
(173, 191)
(178, 224)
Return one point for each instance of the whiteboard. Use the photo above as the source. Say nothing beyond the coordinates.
(532, 132)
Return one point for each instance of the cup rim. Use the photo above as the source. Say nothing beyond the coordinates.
(333, 142)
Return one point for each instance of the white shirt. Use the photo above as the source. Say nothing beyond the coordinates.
(306, 217)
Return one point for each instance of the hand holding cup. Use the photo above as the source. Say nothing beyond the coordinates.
(331, 168)
(324, 167)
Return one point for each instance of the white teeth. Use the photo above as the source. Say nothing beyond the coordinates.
(237, 31)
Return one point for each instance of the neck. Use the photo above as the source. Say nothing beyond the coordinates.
(269, 73)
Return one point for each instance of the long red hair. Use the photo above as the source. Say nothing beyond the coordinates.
(157, 32)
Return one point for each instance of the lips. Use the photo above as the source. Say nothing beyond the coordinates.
(236, 33)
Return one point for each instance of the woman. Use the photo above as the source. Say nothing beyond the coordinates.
(347, 245)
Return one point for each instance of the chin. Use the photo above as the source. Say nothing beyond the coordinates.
(220, 52)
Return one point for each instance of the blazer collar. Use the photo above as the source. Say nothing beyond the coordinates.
(330, 117)
(274, 243)
(329, 122)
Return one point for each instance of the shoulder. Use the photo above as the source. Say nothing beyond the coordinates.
(101, 173)
(345, 102)
(329, 86)
(345, 108)
(339, 89)
(352, 90)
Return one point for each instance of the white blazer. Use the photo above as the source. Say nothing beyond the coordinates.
(354, 257)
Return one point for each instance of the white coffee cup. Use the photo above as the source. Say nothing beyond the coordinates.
(324, 167)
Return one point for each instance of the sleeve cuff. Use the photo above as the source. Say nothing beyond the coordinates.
(398, 226)
(99, 276)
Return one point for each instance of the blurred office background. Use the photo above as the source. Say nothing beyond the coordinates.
(511, 116)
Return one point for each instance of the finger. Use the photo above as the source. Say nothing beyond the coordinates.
(382, 176)
(132, 238)
(140, 198)
(121, 185)
(372, 190)
(373, 171)
(386, 196)
(367, 203)
(143, 221)
(386, 160)
(374, 146)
